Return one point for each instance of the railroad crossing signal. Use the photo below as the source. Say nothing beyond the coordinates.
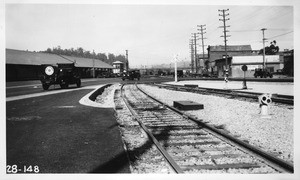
(244, 68)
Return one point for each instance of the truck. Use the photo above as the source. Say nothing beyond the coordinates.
(63, 74)
(262, 73)
(131, 75)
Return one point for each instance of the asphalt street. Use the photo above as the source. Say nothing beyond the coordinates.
(54, 133)
(29, 87)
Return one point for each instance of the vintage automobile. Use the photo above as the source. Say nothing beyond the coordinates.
(131, 75)
(62, 74)
(262, 73)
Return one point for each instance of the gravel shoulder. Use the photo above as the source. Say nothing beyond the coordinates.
(241, 118)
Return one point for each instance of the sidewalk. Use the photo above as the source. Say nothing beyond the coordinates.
(285, 88)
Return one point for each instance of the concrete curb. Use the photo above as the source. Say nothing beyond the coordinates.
(89, 99)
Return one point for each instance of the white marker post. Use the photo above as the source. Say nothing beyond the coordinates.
(175, 66)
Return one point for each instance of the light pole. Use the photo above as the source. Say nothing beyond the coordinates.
(264, 51)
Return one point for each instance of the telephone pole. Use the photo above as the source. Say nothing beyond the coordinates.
(195, 51)
(127, 63)
(264, 51)
(225, 31)
(192, 54)
(202, 39)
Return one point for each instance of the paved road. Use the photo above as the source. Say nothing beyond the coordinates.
(54, 133)
(30, 87)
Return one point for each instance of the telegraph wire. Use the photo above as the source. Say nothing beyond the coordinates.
(280, 35)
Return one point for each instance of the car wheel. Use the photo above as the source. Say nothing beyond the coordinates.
(64, 86)
(78, 83)
(45, 86)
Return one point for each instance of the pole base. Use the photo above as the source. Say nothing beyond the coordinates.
(264, 111)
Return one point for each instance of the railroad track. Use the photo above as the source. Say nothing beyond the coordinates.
(278, 98)
(189, 145)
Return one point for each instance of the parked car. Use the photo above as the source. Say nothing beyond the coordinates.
(105, 75)
(262, 73)
(131, 75)
(62, 74)
(278, 72)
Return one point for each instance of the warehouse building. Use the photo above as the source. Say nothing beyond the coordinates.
(235, 63)
(25, 65)
(239, 55)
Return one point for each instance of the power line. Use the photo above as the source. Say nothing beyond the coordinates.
(245, 30)
(280, 35)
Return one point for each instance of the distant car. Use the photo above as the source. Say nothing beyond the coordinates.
(131, 75)
(180, 73)
(278, 72)
(259, 72)
(105, 75)
(62, 74)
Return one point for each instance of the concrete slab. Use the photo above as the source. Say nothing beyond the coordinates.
(284, 88)
(191, 85)
(187, 105)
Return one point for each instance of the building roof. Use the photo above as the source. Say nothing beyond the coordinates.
(34, 58)
(118, 62)
(231, 48)
(86, 62)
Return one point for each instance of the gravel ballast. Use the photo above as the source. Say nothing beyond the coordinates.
(241, 118)
(143, 155)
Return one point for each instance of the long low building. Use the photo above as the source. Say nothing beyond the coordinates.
(273, 63)
(25, 65)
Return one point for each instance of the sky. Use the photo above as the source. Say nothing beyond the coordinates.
(152, 34)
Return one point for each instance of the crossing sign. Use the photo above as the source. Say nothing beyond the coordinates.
(244, 68)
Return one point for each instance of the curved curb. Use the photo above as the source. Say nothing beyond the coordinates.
(89, 99)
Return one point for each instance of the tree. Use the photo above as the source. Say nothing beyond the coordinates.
(102, 57)
(121, 58)
(48, 50)
(80, 52)
(111, 57)
(87, 54)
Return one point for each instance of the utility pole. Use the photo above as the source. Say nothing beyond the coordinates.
(192, 54)
(93, 66)
(202, 33)
(225, 32)
(264, 51)
(195, 51)
(127, 63)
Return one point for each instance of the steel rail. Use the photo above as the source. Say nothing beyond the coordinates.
(279, 98)
(271, 160)
(170, 160)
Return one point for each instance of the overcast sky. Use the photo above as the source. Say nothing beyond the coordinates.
(151, 33)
